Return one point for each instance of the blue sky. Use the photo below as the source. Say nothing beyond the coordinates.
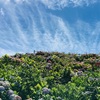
(49, 25)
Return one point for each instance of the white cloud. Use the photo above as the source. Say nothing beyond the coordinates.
(59, 4)
(55, 4)
(30, 28)
(2, 12)
(13, 1)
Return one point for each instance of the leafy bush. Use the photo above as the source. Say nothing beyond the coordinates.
(70, 76)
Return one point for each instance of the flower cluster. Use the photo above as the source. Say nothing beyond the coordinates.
(45, 90)
(5, 87)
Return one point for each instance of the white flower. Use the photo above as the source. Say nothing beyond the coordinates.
(6, 84)
(18, 97)
(1, 82)
(73, 74)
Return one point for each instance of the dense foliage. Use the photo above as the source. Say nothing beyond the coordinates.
(51, 76)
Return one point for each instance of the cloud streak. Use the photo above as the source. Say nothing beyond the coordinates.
(1, 12)
(60, 4)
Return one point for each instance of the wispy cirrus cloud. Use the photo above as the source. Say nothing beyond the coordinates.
(60, 4)
(1, 12)
(56, 4)
(27, 27)
(13, 1)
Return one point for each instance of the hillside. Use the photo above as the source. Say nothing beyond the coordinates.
(50, 76)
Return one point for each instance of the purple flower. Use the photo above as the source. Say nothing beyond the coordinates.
(80, 73)
(1, 79)
(15, 97)
(10, 92)
(46, 90)
(2, 88)
(49, 66)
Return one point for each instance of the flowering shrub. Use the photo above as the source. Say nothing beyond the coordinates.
(49, 76)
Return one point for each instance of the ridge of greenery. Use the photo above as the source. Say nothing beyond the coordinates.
(52, 76)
